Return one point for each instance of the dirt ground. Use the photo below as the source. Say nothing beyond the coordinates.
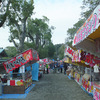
(56, 87)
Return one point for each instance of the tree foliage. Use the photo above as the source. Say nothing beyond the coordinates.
(39, 35)
(61, 51)
(58, 51)
(39, 32)
(51, 50)
(11, 51)
(89, 5)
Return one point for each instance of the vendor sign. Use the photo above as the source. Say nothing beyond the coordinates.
(69, 52)
(77, 56)
(20, 60)
(91, 24)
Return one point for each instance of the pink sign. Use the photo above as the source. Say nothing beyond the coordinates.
(91, 24)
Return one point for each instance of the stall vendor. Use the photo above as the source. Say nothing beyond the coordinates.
(96, 73)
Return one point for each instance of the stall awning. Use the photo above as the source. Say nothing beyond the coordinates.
(88, 36)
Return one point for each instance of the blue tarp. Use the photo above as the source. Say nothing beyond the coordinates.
(91, 94)
(35, 70)
(28, 68)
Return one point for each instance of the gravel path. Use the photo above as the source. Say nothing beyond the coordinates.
(56, 87)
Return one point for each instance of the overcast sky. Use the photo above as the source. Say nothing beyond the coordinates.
(61, 13)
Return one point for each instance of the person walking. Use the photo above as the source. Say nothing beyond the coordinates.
(47, 67)
(65, 67)
(61, 67)
(58, 66)
(55, 67)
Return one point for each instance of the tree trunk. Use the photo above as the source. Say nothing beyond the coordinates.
(37, 41)
(22, 37)
(31, 37)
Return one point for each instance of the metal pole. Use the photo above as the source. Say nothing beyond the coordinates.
(0, 87)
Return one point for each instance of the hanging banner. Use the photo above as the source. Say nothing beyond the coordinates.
(69, 52)
(77, 56)
(91, 24)
(20, 60)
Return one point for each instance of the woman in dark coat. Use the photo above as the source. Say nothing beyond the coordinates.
(65, 67)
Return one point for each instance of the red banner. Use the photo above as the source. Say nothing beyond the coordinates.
(20, 60)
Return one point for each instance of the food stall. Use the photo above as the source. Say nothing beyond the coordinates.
(19, 78)
(87, 38)
(68, 59)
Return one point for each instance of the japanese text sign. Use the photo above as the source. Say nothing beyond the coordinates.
(91, 24)
(20, 60)
(69, 52)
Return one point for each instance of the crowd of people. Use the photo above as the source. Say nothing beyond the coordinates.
(57, 67)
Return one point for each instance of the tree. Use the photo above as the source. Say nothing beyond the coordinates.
(11, 51)
(51, 50)
(61, 51)
(39, 32)
(20, 11)
(43, 52)
(57, 53)
(39, 35)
